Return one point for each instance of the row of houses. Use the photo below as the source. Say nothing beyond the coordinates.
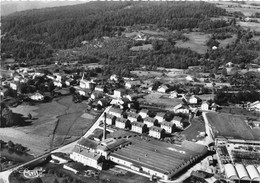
(141, 122)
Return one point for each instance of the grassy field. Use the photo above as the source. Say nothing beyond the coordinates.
(251, 25)
(225, 42)
(197, 42)
(61, 117)
(144, 47)
(229, 125)
(197, 126)
(147, 73)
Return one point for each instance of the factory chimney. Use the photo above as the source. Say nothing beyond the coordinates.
(105, 126)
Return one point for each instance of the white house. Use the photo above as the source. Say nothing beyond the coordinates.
(84, 92)
(13, 86)
(140, 37)
(58, 77)
(122, 123)
(177, 121)
(205, 106)
(138, 127)
(133, 116)
(255, 106)
(150, 122)
(99, 88)
(156, 132)
(110, 119)
(115, 112)
(57, 83)
(194, 99)
(37, 96)
(160, 117)
(69, 82)
(167, 126)
(118, 93)
(85, 83)
(163, 89)
(144, 113)
(114, 77)
(173, 94)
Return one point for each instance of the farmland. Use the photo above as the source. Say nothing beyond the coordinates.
(197, 42)
(250, 25)
(230, 126)
(60, 117)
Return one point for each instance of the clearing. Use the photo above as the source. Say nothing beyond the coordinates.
(251, 25)
(197, 42)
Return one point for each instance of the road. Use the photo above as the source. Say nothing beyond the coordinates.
(4, 176)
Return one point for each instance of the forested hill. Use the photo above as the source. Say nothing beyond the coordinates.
(65, 27)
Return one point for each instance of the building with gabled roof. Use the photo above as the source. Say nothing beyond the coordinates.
(110, 120)
(156, 132)
(163, 88)
(150, 122)
(122, 123)
(160, 116)
(133, 117)
(115, 112)
(167, 126)
(138, 127)
(144, 113)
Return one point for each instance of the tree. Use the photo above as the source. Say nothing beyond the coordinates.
(56, 181)
(10, 144)
(224, 72)
(212, 75)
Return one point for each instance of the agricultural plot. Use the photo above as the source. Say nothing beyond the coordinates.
(227, 125)
(140, 48)
(251, 25)
(197, 42)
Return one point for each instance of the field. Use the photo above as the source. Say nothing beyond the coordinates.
(53, 124)
(197, 42)
(147, 73)
(144, 47)
(228, 125)
(225, 42)
(251, 25)
(162, 100)
(247, 9)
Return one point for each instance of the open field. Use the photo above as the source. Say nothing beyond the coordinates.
(225, 42)
(146, 73)
(144, 47)
(197, 126)
(197, 42)
(161, 99)
(251, 25)
(247, 9)
(61, 117)
(228, 125)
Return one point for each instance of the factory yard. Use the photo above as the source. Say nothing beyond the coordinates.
(60, 117)
(227, 125)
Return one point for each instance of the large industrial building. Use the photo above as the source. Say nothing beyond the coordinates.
(237, 147)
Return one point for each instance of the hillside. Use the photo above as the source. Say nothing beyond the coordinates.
(66, 27)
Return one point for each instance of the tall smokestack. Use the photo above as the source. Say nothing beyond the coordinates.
(105, 125)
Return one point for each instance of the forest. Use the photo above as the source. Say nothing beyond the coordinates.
(51, 29)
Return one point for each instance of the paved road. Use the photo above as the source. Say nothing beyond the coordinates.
(4, 176)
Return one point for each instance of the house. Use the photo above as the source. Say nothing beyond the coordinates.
(37, 96)
(58, 77)
(256, 123)
(177, 121)
(138, 127)
(118, 102)
(194, 99)
(144, 113)
(229, 64)
(132, 96)
(84, 92)
(140, 37)
(86, 84)
(255, 106)
(96, 95)
(69, 82)
(114, 77)
(119, 93)
(150, 122)
(205, 106)
(163, 88)
(133, 117)
(160, 117)
(110, 120)
(131, 84)
(115, 112)
(3, 91)
(214, 107)
(122, 123)
(156, 132)
(99, 88)
(104, 102)
(167, 126)
(13, 85)
(57, 84)
(173, 94)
